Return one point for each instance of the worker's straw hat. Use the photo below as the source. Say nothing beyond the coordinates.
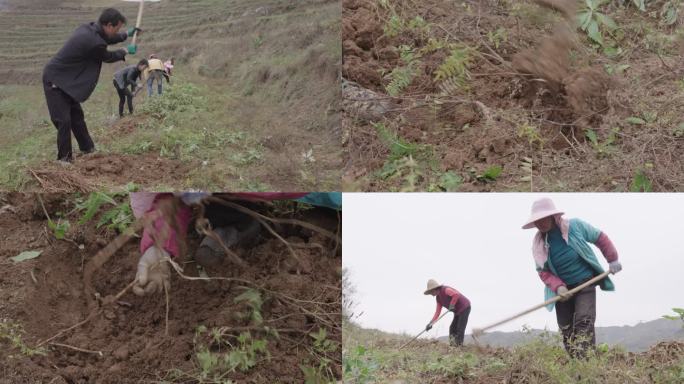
(540, 209)
(432, 284)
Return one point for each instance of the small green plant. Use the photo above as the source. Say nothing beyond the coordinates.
(650, 116)
(258, 41)
(679, 315)
(92, 205)
(531, 133)
(641, 4)
(405, 169)
(457, 368)
(606, 147)
(321, 372)
(213, 364)
(491, 173)
(678, 131)
(398, 147)
(359, 366)
(603, 348)
(408, 162)
(250, 156)
(592, 20)
(448, 181)
(12, 333)
(138, 147)
(635, 120)
(680, 83)
(419, 25)
(669, 12)
(641, 183)
(433, 45)
(616, 69)
(393, 26)
(252, 298)
(497, 37)
(321, 342)
(182, 97)
(247, 353)
(60, 228)
(119, 217)
(385, 4)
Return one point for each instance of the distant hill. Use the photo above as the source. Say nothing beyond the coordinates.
(637, 338)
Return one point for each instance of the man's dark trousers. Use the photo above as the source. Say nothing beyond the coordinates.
(67, 116)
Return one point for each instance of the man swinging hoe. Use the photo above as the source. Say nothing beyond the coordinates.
(70, 77)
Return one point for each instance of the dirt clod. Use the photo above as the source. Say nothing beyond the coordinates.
(121, 353)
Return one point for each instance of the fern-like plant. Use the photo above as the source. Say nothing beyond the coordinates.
(394, 26)
(398, 147)
(433, 45)
(456, 64)
(453, 72)
(401, 77)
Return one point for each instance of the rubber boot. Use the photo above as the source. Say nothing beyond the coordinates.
(248, 236)
(210, 253)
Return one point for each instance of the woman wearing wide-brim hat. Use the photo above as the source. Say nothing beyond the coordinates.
(455, 302)
(565, 260)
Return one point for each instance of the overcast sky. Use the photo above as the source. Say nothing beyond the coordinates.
(393, 243)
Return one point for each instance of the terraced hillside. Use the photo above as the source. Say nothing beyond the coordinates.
(252, 104)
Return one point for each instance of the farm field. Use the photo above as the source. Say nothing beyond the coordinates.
(252, 105)
(272, 320)
(372, 356)
(513, 95)
(448, 288)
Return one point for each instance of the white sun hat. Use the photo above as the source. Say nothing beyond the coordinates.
(540, 209)
(432, 284)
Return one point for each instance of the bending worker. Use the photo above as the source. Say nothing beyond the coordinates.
(126, 78)
(455, 302)
(155, 72)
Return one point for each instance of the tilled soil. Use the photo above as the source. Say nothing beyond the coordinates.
(127, 339)
(108, 171)
(533, 90)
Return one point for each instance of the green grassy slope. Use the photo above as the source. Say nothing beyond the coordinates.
(372, 356)
(256, 80)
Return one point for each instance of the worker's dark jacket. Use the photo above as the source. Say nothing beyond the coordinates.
(127, 76)
(75, 69)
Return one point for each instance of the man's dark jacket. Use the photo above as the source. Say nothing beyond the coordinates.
(75, 69)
